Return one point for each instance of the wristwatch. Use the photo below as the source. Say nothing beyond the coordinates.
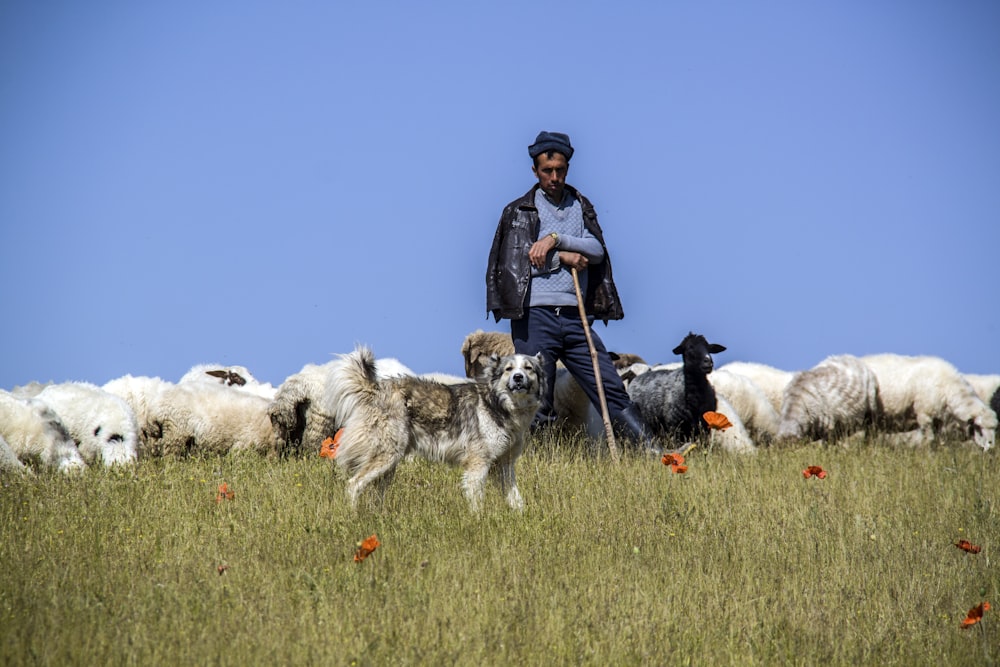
(555, 237)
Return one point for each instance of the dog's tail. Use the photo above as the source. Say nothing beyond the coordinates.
(351, 384)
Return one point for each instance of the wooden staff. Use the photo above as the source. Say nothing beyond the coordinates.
(608, 431)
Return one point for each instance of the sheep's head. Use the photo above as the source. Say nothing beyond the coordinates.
(697, 353)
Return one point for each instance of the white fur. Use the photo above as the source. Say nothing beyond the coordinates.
(35, 434)
(8, 459)
(102, 424)
(928, 394)
(142, 394)
(748, 400)
(836, 398)
(735, 439)
(985, 385)
(772, 381)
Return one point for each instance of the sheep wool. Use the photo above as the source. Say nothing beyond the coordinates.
(836, 398)
(35, 435)
(102, 424)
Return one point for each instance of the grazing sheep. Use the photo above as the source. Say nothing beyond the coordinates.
(34, 433)
(102, 424)
(927, 397)
(986, 386)
(749, 402)
(297, 413)
(143, 395)
(480, 345)
(8, 459)
(836, 398)
(203, 418)
(735, 439)
(237, 377)
(672, 402)
(572, 405)
(772, 381)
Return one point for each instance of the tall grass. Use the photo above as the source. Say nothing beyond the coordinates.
(739, 561)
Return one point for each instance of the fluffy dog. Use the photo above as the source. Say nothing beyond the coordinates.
(480, 426)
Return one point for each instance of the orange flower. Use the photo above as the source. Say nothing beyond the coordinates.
(814, 470)
(222, 568)
(224, 493)
(975, 615)
(717, 420)
(330, 446)
(966, 545)
(675, 461)
(365, 547)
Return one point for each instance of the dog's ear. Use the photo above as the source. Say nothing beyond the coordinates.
(489, 366)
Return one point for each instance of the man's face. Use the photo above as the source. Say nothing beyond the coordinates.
(551, 173)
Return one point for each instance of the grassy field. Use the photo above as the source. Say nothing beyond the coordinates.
(739, 561)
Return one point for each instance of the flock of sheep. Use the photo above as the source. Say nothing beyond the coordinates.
(216, 409)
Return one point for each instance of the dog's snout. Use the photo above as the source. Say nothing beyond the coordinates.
(518, 377)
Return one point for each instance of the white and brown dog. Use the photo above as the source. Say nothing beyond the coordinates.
(480, 426)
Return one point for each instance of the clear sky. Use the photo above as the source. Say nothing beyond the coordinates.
(269, 184)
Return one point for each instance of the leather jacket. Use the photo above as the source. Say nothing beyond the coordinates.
(508, 273)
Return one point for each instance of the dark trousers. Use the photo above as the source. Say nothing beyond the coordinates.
(558, 334)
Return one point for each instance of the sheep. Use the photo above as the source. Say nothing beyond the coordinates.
(572, 405)
(479, 345)
(142, 394)
(203, 418)
(34, 433)
(102, 424)
(237, 377)
(835, 398)
(748, 401)
(772, 381)
(8, 459)
(926, 396)
(986, 386)
(672, 402)
(735, 439)
(296, 410)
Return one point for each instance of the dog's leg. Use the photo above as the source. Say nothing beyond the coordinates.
(508, 485)
(381, 468)
(473, 482)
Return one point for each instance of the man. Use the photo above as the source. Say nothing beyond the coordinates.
(541, 236)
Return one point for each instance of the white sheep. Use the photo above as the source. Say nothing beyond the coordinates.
(8, 459)
(926, 397)
(836, 398)
(749, 402)
(772, 381)
(142, 394)
(237, 377)
(35, 434)
(735, 439)
(986, 386)
(102, 424)
(204, 418)
(297, 411)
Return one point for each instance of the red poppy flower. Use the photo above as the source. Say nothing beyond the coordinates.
(975, 615)
(224, 493)
(365, 547)
(675, 461)
(222, 568)
(717, 420)
(330, 446)
(966, 545)
(814, 470)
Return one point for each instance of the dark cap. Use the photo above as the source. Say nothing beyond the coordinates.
(551, 141)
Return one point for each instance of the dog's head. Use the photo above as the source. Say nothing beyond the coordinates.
(520, 375)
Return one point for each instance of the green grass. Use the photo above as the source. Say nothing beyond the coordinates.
(740, 561)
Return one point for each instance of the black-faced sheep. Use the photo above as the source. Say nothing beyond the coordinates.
(102, 424)
(836, 398)
(927, 397)
(672, 402)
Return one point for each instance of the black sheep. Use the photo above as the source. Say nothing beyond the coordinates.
(673, 401)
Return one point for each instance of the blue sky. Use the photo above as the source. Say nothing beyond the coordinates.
(269, 184)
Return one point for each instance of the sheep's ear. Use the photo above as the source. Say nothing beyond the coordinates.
(237, 379)
(679, 349)
(218, 373)
(715, 348)
(614, 356)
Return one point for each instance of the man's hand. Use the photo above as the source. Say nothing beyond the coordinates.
(539, 250)
(574, 260)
